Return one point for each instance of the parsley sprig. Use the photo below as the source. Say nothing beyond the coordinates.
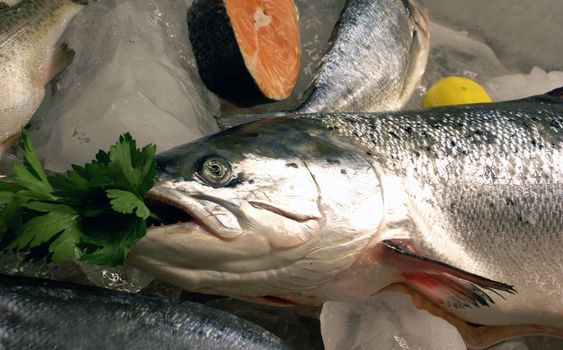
(94, 212)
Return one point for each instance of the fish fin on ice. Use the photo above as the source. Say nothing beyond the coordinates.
(62, 58)
(475, 336)
(444, 283)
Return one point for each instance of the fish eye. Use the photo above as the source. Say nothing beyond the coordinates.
(215, 171)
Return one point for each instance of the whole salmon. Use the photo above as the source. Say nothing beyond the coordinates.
(459, 206)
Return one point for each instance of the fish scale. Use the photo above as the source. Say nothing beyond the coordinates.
(29, 58)
(484, 187)
(41, 314)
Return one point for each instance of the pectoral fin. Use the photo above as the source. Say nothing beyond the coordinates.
(443, 283)
(62, 58)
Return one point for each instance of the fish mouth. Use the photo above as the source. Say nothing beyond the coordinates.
(169, 212)
(166, 211)
(187, 246)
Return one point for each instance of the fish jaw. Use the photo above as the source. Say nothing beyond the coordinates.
(27, 59)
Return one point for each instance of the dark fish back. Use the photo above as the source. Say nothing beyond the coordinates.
(46, 315)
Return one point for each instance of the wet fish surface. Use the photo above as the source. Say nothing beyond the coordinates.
(38, 314)
(30, 58)
(460, 206)
(375, 60)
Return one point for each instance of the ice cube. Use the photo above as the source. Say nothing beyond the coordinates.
(125, 279)
(514, 86)
(388, 321)
(133, 71)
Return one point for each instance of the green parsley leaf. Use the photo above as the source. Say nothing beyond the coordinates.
(113, 249)
(127, 203)
(94, 212)
(41, 229)
(10, 216)
(30, 174)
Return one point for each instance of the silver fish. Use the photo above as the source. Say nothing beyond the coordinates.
(375, 60)
(460, 206)
(30, 58)
(49, 315)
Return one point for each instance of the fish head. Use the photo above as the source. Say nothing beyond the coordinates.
(268, 210)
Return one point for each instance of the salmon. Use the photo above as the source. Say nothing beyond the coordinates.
(459, 206)
(252, 54)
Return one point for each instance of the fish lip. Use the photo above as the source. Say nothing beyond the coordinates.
(157, 196)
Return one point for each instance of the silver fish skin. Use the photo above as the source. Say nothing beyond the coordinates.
(462, 204)
(29, 58)
(375, 60)
(39, 314)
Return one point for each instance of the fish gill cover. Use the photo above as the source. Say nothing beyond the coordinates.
(94, 212)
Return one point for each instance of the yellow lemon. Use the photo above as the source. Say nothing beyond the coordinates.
(455, 91)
